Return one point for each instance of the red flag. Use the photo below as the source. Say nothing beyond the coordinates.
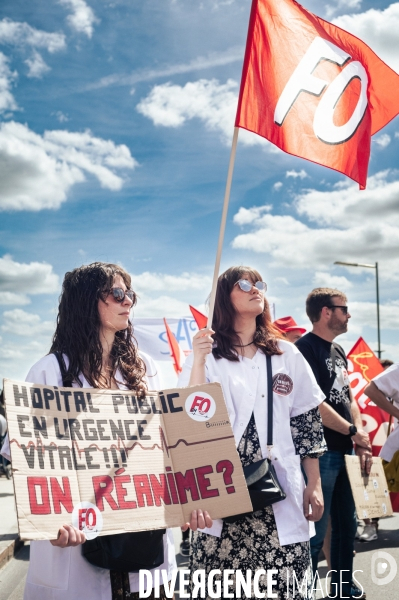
(313, 89)
(200, 319)
(363, 366)
(175, 351)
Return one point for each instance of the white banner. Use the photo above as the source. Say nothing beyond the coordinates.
(151, 336)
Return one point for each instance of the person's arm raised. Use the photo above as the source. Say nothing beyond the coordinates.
(202, 346)
(379, 398)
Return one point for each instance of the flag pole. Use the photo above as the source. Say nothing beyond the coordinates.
(222, 226)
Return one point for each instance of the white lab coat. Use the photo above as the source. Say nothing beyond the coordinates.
(388, 383)
(63, 573)
(244, 386)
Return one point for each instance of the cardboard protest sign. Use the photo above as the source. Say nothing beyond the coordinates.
(369, 492)
(110, 462)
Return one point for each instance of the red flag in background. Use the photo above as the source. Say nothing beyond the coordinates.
(313, 89)
(200, 319)
(176, 352)
(363, 366)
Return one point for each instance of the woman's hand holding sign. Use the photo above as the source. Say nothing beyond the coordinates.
(199, 520)
(69, 536)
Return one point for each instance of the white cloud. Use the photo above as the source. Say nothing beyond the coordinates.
(171, 105)
(82, 17)
(342, 5)
(295, 174)
(61, 117)
(250, 215)
(19, 322)
(36, 172)
(382, 140)
(278, 185)
(154, 282)
(379, 29)
(343, 205)
(162, 306)
(351, 225)
(366, 314)
(22, 34)
(213, 59)
(26, 278)
(37, 66)
(323, 279)
(213, 103)
(16, 358)
(7, 101)
(12, 298)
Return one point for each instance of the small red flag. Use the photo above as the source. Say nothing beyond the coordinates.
(175, 351)
(200, 319)
(313, 89)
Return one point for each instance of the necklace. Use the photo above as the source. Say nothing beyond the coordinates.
(242, 346)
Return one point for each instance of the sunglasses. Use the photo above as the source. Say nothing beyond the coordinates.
(246, 286)
(119, 294)
(343, 308)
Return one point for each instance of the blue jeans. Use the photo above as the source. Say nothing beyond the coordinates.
(339, 503)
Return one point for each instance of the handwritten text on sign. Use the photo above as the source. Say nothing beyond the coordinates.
(140, 463)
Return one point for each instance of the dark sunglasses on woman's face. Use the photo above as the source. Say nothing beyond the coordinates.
(246, 286)
(343, 308)
(119, 294)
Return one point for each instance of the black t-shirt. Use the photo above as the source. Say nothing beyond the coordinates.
(333, 380)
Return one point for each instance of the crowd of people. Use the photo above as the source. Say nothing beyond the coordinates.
(316, 422)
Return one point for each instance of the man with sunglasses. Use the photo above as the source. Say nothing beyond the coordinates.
(328, 311)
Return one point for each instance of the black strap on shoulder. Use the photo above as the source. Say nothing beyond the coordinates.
(63, 369)
(64, 373)
(269, 400)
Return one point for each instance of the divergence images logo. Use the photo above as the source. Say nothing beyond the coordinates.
(87, 518)
(200, 406)
(383, 567)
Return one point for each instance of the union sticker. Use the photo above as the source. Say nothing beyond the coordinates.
(87, 517)
(200, 406)
(282, 384)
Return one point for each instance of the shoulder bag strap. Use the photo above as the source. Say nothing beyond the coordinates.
(61, 364)
(58, 355)
(269, 400)
(269, 372)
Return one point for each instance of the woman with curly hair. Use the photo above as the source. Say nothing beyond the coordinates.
(233, 353)
(94, 347)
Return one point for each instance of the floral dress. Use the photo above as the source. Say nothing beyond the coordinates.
(252, 542)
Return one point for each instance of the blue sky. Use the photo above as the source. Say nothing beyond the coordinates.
(116, 121)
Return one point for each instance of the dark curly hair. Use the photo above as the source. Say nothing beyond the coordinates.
(78, 329)
(266, 334)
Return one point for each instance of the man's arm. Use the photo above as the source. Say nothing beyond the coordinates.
(379, 398)
(362, 450)
(333, 420)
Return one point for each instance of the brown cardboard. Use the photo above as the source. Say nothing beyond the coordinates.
(181, 455)
(369, 492)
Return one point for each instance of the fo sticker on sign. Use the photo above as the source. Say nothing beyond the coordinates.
(87, 518)
(200, 406)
